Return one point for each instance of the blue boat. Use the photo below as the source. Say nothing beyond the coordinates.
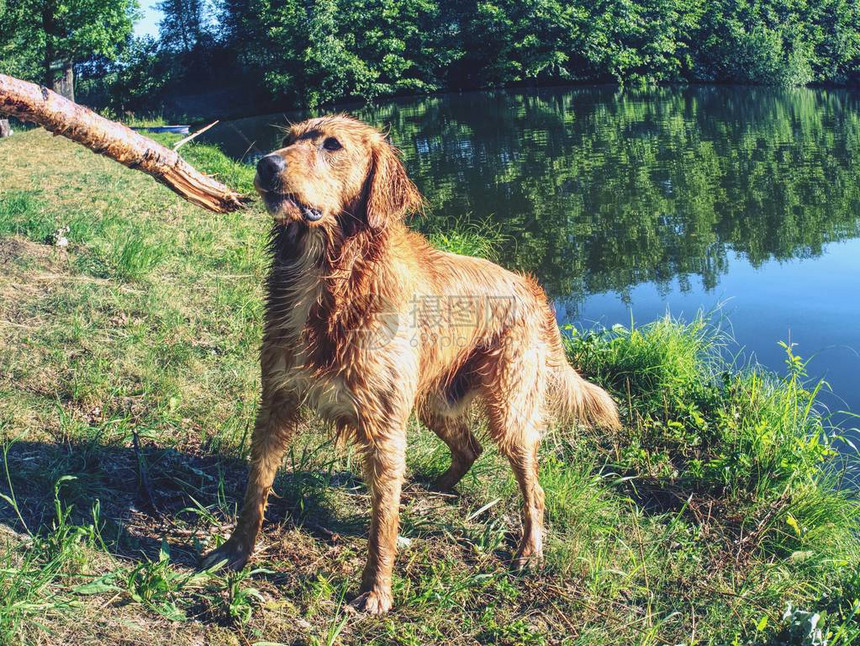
(180, 130)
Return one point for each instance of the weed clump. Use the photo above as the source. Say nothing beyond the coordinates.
(694, 418)
(479, 239)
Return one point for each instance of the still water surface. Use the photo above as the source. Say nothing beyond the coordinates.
(634, 203)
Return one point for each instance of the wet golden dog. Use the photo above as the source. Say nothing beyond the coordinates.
(366, 322)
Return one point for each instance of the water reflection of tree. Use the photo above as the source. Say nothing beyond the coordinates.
(600, 190)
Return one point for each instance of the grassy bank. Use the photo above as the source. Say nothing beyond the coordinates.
(714, 510)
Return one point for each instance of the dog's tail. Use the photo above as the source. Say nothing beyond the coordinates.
(576, 399)
(572, 397)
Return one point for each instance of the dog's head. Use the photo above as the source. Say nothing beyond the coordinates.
(336, 170)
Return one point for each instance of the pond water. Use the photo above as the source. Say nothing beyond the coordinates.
(629, 204)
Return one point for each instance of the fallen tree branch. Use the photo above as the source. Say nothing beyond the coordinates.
(29, 102)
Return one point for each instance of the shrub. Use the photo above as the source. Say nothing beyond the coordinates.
(694, 420)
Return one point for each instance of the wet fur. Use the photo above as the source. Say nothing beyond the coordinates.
(354, 333)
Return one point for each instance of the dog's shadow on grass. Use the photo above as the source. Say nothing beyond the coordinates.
(140, 497)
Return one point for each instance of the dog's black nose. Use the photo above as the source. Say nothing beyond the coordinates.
(269, 170)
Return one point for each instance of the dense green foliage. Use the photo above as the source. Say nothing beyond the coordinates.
(329, 49)
(183, 28)
(19, 56)
(310, 53)
(38, 34)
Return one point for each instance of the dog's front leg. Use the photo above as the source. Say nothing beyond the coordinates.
(276, 422)
(384, 469)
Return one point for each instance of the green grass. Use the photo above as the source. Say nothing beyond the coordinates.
(482, 239)
(718, 504)
(21, 214)
(134, 258)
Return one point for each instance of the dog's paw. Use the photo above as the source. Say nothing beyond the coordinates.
(232, 555)
(529, 556)
(374, 602)
(444, 484)
(528, 563)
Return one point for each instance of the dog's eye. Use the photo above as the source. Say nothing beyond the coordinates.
(331, 144)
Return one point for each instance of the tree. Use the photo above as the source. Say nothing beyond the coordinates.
(779, 42)
(19, 48)
(184, 26)
(637, 39)
(265, 38)
(375, 48)
(313, 52)
(320, 51)
(60, 33)
(507, 41)
(138, 80)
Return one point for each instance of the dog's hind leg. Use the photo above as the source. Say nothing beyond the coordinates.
(276, 422)
(524, 463)
(514, 392)
(464, 446)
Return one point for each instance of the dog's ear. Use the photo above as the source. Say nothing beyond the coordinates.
(390, 194)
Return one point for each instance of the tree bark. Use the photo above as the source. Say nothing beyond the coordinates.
(29, 102)
(63, 81)
(5, 128)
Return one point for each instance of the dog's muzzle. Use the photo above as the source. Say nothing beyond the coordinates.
(268, 181)
(276, 203)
